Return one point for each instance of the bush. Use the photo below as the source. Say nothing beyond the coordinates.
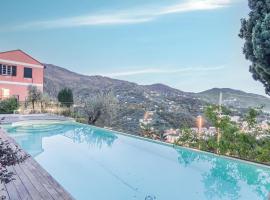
(9, 155)
(263, 151)
(8, 106)
(209, 145)
(245, 146)
(65, 97)
(233, 142)
(66, 113)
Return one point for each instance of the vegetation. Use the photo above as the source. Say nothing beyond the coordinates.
(65, 97)
(9, 155)
(233, 141)
(100, 109)
(188, 138)
(255, 31)
(45, 101)
(34, 95)
(148, 131)
(251, 117)
(8, 105)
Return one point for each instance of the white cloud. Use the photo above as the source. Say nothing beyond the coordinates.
(194, 5)
(131, 16)
(160, 71)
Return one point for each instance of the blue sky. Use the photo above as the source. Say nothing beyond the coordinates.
(191, 45)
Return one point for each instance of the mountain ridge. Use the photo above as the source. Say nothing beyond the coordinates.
(154, 86)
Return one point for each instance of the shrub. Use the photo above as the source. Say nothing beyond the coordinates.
(7, 106)
(9, 155)
(66, 113)
(65, 97)
(233, 142)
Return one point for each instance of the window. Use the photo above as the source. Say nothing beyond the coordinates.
(27, 72)
(8, 70)
(14, 70)
(4, 70)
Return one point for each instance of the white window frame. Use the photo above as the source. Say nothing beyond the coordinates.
(9, 70)
(6, 70)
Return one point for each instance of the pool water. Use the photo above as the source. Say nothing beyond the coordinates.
(98, 164)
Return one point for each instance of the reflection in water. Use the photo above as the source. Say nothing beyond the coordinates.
(187, 158)
(30, 137)
(225, 177)
(96, 137)
(221, 181)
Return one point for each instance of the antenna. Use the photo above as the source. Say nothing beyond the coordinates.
(219, 118)
(220, 101)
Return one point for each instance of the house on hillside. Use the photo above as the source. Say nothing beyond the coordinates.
(18, 70)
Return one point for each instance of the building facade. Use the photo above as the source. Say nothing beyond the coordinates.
(18, 70)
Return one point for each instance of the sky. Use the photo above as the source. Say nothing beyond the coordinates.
(191, 45)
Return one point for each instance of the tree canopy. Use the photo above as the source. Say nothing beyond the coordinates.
(34, 95)
(255, 30)
(65, 97)
(101, 108)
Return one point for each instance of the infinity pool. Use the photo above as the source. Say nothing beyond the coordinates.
(96, 164)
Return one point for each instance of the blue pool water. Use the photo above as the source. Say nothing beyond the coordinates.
(93, 163)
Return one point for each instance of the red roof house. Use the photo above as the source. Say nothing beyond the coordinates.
(18, 70)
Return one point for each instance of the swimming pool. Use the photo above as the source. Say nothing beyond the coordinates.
(93, 163)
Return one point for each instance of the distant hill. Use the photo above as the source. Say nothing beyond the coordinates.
(173, 108)
(57, 78)
(164, 89)
(234, 98)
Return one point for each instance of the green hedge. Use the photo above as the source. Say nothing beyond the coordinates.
(7, 106)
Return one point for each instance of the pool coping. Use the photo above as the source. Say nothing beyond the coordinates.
(182, 147)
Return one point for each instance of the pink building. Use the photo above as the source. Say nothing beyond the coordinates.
(18, 70)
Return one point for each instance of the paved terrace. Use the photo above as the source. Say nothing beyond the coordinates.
(31, 181)
(10, 118)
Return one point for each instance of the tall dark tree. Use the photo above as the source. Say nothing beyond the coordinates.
(65, 97)
(255, 31)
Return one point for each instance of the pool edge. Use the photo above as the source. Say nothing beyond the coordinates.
(181, 147)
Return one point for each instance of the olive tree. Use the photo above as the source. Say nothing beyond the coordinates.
(100, 108)
(45, 101)
(34, 95)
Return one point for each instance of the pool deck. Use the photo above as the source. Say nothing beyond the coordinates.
(31, 181)
(13, 118)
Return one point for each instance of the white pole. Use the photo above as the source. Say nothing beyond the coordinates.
(219, 118)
